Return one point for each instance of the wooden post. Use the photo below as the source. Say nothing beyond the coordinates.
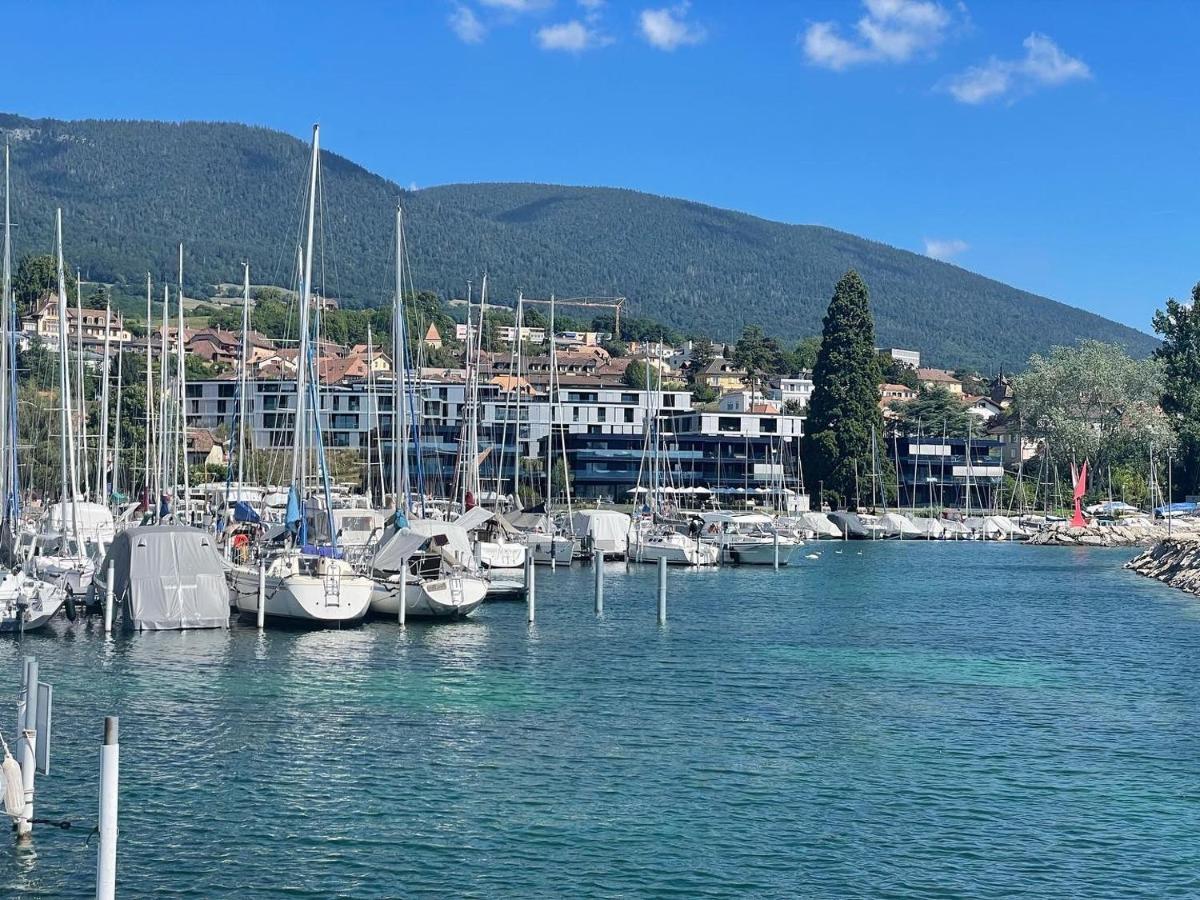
(106, 855)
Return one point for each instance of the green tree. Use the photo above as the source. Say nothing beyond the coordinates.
(1093, 402)
(935, 411)
(893, 371)
(804, 357)
(1179, 354)
(636, 374)
(758, 354)
(36, 279)
(844, 407)
(703, 354)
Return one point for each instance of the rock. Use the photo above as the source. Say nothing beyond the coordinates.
(1174, 561)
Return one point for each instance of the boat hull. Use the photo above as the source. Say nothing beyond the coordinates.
(450, 597)
(304, 589)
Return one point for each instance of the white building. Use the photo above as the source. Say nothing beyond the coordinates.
(796, 388)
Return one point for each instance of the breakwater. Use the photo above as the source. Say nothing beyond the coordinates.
(1174, 561)
(1064, 535)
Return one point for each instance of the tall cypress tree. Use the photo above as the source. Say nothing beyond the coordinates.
(844, 406)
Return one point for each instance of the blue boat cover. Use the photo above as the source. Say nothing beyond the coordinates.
(244, 512)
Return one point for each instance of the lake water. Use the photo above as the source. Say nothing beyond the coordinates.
(889, 720)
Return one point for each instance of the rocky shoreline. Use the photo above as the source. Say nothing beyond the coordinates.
(1174, 561)
(1063, 535)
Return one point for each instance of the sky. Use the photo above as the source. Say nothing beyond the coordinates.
(1053, 146)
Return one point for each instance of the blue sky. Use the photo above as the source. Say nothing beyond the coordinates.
(1050, 145)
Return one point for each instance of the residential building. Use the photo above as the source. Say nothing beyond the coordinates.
(908, 357)
(894, 394)
(948, 472)
(42, 323)
(433, 337)
(939, 378)
(792, 389)
(723, 375)
(748, 402)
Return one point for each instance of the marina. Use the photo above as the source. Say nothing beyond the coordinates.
(769, 739)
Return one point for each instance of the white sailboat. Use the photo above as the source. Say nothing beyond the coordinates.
(748, 539)
(305, 582)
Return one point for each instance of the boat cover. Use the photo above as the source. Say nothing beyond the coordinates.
(896, 525)
(819, 524)
(394, 550)
(608, 529)
(168, 577)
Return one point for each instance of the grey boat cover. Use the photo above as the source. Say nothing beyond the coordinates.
(849, 524)
(168, 577)
(395, 549)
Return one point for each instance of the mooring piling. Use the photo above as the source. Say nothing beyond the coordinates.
(662, 590)
(28, 739)
(530, 588)
(598, 564)
(106, 855)
(261, 609)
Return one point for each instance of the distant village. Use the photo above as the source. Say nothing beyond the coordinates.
(741, 439)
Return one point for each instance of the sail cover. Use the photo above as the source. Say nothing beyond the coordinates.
(168, 577)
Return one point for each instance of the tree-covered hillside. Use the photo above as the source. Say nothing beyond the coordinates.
(131, 190)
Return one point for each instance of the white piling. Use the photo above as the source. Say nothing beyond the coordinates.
(109, 594)
(28, 738)
(530, 588)
(662, 590)
(261, 609)
(106, 856)
(776, 541)
(402, 612)
(598, 563)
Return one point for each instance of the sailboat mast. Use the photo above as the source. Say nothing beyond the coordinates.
(70, 480)
(160, 475)
(300, 444)
(400, 384)
(553, 398)
(116, 465)
(102, 439)
(8, 448)
(83, 432)
(149, 391)
(516, 382)
(183, 433)
(241, 444)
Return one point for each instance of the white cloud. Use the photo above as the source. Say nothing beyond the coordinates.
(465, 24)
(891, 31)
(572, 37)
(668, 28)
(945, 249)
(517, 6)
(1043, 65)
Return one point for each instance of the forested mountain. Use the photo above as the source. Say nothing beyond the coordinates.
(131, 190)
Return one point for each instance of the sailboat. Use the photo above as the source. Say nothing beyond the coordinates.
(26, 602)
(433, 560)
(305, 581)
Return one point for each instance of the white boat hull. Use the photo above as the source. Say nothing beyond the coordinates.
(684, 553)
(547, 549)
(507, 555)
(304, 589)
(758, 553)
(447, 597)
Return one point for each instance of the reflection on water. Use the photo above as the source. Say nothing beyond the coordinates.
(915, 720)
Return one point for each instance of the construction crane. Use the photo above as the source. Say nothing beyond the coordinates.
(613, 303)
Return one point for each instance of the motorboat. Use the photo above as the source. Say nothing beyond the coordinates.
(747, 538)
(605, 530)
(27, 603)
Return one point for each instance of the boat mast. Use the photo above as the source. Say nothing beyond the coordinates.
(70, 478)
(241, 445)
(83, 432)
(183, 434)
(400, 487)
(7, 429)
(102, 438)
(552, 397)
(300, 443)
(516, 382)
(160, 476)
(116, 465)
(149, 393)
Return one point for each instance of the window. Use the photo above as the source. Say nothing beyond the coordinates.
(668, 399)
(195, 390)
(628, 415)
(594, 429)
(574, 413)
(727, 423)
(352, 403)
(602, 414)
(768, 426)
(629, 398)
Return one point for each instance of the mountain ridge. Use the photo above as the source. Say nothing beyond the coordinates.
(131, 189)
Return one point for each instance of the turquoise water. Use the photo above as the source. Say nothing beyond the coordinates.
(885, 721)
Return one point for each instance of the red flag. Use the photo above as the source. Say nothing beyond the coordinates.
(1081, 482)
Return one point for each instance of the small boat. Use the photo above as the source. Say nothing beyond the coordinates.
(437, 581)
(605, 530)
(747, 538)
(655, 543)
(28, 603)
(896, 526)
